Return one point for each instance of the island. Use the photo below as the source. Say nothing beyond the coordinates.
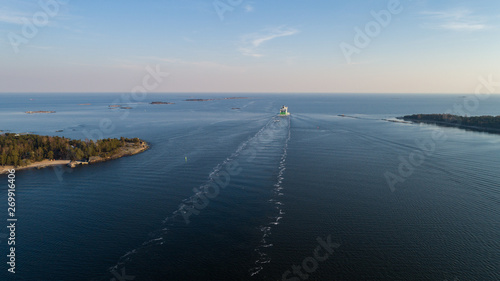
(40, 111)
(161, 102)
(485, 123)
(199, 99)
(229, 98)
(35, 151)
(347, 116)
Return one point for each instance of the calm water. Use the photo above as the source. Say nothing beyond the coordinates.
(276, 186)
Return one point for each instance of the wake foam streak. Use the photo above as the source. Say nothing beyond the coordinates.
(277, 128)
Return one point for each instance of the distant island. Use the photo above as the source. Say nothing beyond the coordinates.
(117, 106)
(161, 102)
(40, 111)
(230, 98)
(476, 123)
(35, 151)
(199, 99)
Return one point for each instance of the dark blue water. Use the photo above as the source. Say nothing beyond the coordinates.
(240, 194)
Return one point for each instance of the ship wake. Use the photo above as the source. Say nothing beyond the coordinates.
(277, 205)
(255, 156)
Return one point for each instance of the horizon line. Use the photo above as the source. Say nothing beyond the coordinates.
(255, 93)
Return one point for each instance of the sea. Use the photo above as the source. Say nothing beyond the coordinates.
(338, 190)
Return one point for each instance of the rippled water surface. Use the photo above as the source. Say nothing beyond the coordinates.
(230, 191)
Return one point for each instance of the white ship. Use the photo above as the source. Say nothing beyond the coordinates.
(284, 111)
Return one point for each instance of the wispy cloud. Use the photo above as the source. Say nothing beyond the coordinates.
(249, 8)
(455, 20)
(196, 64)
(42, 47)
(250, 44)
(12, 17)
(19, 12)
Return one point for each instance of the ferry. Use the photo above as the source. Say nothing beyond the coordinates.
(284, 111)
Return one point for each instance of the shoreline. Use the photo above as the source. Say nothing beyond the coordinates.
(453, 125)
(37, 165)
(127, 151)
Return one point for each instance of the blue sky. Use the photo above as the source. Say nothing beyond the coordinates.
(249, 46)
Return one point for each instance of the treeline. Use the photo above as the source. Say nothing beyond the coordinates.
(490, 122)
(21, 150)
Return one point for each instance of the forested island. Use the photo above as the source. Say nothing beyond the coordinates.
(30, 150)
(477, 123)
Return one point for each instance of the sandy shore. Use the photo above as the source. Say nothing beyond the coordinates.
(36, 165)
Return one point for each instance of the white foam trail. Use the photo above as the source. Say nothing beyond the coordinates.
(191, 200)
(266, 230)
(255, 270)
(219, 167)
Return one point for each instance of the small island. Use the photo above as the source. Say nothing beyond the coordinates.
(199, 99)
(235, 98)
(486, 123)
(40, 111)
(229, 98)
(347, 116)
(35, 151)
(161, 102)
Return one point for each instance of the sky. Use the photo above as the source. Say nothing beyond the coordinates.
(226, 46)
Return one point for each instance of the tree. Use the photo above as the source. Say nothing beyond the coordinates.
(15, 158)
(3, 158)
(79, 154)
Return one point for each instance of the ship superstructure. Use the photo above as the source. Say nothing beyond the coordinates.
(284, 111)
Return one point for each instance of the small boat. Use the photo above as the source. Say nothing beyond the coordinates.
(284, 111)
